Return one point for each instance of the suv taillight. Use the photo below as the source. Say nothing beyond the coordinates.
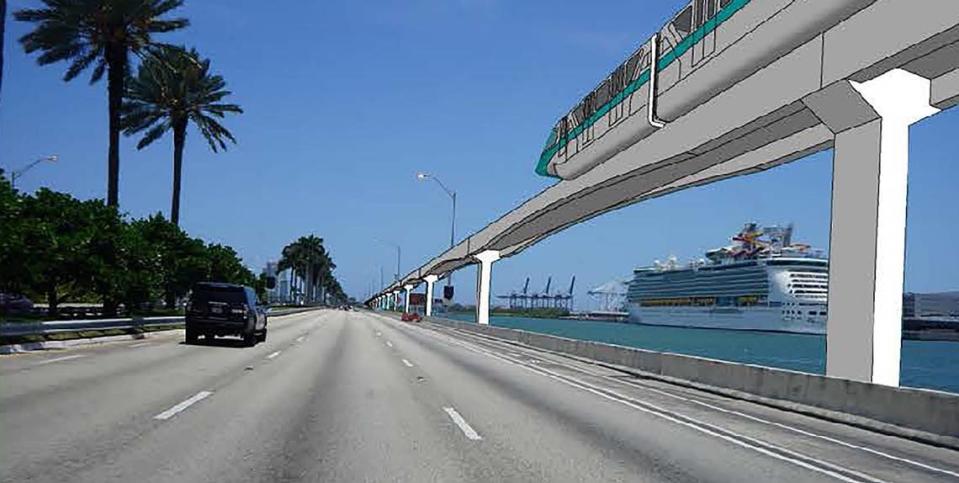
(242, 310)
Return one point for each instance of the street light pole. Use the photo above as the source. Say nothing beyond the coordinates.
(398, 252)
(20, 172)
(452, 195)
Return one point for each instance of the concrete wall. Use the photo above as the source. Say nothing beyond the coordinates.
(927, 415)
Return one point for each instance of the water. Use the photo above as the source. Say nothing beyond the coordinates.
(925, 364)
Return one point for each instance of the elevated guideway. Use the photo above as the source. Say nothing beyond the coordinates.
(854, 84)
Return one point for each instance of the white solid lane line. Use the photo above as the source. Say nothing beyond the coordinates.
(408, 363)
(59, 359)
(273, 355)
(141, 344)
(687, 421)
(389, 344)
(763, 421)
(794, 429)
(169, 413)
(300, 338)
(463, 425)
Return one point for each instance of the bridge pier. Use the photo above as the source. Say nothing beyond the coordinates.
(871, 122)
(406, 304)
(430, 280)
(483, 277)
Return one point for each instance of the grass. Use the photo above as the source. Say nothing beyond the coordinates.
(83, 334)
(31, 318)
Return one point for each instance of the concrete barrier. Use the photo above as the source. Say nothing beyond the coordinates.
(921, 414)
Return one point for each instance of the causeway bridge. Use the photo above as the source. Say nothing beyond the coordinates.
(766, 83)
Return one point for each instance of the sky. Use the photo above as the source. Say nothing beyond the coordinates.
(346, 101)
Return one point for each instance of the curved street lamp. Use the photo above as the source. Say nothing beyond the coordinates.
(452, 195)
(20, 172)
(398, 253)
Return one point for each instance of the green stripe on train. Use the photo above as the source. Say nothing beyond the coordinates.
(664, 61)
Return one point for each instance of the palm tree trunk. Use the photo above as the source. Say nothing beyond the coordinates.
(3, 23)
(179, 140)
(53, 302)
(322, 289)
(116, 72)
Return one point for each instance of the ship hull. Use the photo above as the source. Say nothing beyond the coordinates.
(768, 319)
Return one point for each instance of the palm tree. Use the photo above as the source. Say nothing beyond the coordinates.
(99, 33)
(3, 24)
(173, 88)
(314, 258)
(291, 258)
(309, 261)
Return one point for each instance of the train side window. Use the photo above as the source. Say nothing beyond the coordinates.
(710, 9)
(683, 22)
(617, 83)
(701, 12)
(723, 3)
(562, 136)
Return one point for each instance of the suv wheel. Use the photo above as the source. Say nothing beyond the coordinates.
(262, 336)
(191, 336)
(249, 338)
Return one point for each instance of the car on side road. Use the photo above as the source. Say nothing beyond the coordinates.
(14, 303)
(219, 309)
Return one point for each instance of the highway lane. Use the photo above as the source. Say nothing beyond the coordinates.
(352, 396)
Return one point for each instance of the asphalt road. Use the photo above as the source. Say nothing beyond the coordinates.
(352, 396)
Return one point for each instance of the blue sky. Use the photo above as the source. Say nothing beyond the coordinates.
(345, 101)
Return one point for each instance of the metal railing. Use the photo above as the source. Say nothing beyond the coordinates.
(55, 326)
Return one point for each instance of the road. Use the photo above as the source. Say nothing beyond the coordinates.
(355, 396)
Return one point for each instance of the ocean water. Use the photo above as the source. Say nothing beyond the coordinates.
(925, 364)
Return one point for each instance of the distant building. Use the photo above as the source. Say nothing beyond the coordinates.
(282, 292)
(942, 304)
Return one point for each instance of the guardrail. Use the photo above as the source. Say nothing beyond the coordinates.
(55, 326)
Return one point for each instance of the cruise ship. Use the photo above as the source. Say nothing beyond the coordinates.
(763, 281)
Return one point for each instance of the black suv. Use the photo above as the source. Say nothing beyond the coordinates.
(225, 309)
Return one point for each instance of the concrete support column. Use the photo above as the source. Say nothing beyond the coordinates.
(406, 304)
(867, 235)
(430, 280)
(483, 277)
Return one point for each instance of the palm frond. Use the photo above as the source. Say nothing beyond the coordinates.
(160, 26)
(98, 70)
(80, 64)
(176, 83)
(81, 31)
(153, 134)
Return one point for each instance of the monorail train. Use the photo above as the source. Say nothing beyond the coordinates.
(708, 47)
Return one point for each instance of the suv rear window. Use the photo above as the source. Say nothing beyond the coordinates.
(230, 295)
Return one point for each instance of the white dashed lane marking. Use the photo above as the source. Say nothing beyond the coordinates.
(169, 413)
(408, 363)
(463, 425)
(59, 359)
